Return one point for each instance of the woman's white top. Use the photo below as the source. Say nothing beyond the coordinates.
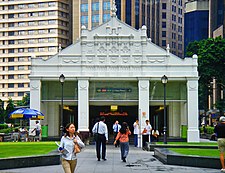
(67, 144)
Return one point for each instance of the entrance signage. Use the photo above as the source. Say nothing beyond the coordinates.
(113, 90)
(113, 114)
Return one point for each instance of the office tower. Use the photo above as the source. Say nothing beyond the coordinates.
(216, 18)
(90, 13)
(29, 29)
(165, 22)
(163, 18)
(196, 22)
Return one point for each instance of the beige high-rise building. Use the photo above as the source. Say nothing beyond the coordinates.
(166, 24)
(39, 28)
(29, 29)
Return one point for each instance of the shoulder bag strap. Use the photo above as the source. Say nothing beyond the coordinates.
(97, 127)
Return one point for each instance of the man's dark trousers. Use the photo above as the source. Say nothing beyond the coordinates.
(101, 142)
(117, 142)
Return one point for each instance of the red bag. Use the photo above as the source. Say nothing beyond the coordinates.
(144, 131)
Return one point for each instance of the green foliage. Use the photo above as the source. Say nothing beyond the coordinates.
(8, 130)
(9, 108)
(3, 126)
(2, 112)
(211, 62)
(201, 129)
(208, 129)
(220, 104)
(25, 101)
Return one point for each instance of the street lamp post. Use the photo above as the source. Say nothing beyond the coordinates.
(164, 80)
(61, 80)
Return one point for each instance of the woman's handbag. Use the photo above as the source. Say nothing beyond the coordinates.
(77, 148)
(144, 131)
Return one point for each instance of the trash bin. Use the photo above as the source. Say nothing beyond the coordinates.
(44, 130)
(183, 131)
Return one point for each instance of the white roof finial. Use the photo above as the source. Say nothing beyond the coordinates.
(113, 9)
(168, 48)
(60, 47)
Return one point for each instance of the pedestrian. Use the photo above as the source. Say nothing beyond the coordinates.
(16, 135)
(122, 136)
(154, 136)
(220, 131)
(146, 134)
(37, 130)
(100, 128)
(136, 132)
(23, 134)
(66, 147)
(116, 128)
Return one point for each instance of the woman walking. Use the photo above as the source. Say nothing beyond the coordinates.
(67, 146)
(122, 136)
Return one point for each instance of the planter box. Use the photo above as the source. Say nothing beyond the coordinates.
(172, 158)
(151, 147)
(30, 161)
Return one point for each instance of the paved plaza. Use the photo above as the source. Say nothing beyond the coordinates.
(138, 161)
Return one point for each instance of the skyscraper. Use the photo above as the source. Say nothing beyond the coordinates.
(196, 22)
(40, 28)
(29, 29)
(90, 13)
(163, 18)
(216, 18)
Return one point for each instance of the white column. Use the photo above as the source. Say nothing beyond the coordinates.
(192, 98)
(83, 105)
(35, 97)
(143, 86)
(174, 119)
(35, 94)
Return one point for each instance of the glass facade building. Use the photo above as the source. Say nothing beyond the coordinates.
(196, 22)
(136, 13)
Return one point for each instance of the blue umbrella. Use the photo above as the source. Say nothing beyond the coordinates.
(26, 113)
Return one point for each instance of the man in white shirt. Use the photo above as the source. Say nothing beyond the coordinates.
(136, 132)
(116, 128)
(37, 130)
(146, 133)
(101, 129)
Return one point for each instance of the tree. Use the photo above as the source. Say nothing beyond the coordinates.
(2, 111)
(211, 64)
(9, 108)
(25, 101)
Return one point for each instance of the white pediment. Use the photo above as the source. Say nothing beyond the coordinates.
(114, 49)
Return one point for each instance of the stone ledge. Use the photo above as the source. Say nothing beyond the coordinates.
(171, 158)
(29, 161)
(151, 147)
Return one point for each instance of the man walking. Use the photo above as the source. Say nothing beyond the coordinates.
(101, 130)
(116, 128)
(37, 130)
(220, 132)
(136, 132)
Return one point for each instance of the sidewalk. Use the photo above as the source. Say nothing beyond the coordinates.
(138, 161)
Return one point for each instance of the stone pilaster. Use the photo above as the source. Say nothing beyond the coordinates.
(143, 86)
(192, 97)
